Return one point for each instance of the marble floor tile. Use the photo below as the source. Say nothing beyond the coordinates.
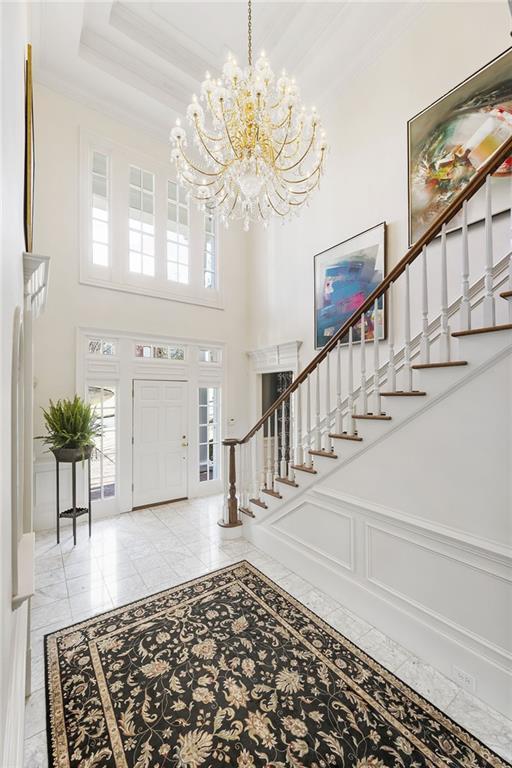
(351, 626)
(86, 583)
(383, 649)
(35, 713)
(319, 602)
(428, 681)
(36, 751)
(49, 614)
(485, 723)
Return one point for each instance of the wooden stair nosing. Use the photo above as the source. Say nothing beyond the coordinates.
(344, 436)
(370, 416)
(285, 480)
(489, 329)
(259, 503)
(246, 512)
(404, 393)
(304, 468)
(452, 363)
(506, 294)
(270, 492)
(325, 454)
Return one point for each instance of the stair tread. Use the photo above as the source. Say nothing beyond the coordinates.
(326, 454)
(506, 295)
(285, 480)
(270, 492)
(259, 503)
(344, 436)
(452, 363)
(404, 393)
(304, 468)
(246, 511)
(489, 329)
(377, 417)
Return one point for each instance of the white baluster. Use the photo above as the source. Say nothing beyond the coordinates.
(269, 457)
(275, 468)
(407, 334)
(376, 383)
(465, 306)
(299, 450)
(261, 477)
(391, 373)
(283, 470)
(328, 440)
(364, 396)
(444, 340)
(338, 425)
(256, 477)
(351, 430)
(240, 475)
(489, 306)
(318, 428)
(308, 441)
(424, 342)
(291, 435)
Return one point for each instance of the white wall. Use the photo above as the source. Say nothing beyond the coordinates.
(13, 28)
(72, 305)
(365, 179)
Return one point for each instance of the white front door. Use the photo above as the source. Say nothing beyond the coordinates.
(159, 441)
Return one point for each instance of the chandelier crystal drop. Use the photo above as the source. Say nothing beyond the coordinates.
(261, 152)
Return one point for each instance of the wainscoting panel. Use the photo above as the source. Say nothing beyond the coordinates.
(306, 525)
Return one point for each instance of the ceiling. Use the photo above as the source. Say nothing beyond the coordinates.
(141, 61)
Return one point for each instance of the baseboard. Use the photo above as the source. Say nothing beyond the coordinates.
(12, 753)
(414, 632)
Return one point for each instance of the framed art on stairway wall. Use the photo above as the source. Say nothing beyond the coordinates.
(449, 140)
(345, 275)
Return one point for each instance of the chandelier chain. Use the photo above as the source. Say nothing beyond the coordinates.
(249, 33)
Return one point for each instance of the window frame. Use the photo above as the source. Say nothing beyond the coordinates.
(214, 235)
(103, 385)
(100, 149)
(179, 205)
(217, 443)
(117, 276)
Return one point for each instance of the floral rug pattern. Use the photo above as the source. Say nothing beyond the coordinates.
(229, 670)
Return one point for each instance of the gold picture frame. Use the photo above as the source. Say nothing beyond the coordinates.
(28, 197)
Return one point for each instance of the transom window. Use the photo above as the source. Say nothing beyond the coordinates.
(210, 252)
(177, 234)
(103, 460)
(209, 355)
(209, 433)
(159, 352)
(141, 221)
(101, 347)
(100, 209)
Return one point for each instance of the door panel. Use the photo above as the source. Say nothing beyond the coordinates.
(159, 441)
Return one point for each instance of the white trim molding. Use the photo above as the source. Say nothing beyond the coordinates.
(278, 357)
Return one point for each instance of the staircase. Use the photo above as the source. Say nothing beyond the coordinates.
(339, 410)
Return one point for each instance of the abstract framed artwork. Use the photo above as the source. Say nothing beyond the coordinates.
(449, 140)
(344, 276)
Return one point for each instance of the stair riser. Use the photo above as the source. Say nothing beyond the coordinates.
(435, 380)
(481, 346)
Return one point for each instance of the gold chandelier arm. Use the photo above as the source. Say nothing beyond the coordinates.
(203, 200)
(194, 167)
(193, 183)
(212, 108)
(200, 134)
(288, 118)
(306, 178)
(249, 33)
(306, 152)
(227, 130)
(273, 206)
(233, 206)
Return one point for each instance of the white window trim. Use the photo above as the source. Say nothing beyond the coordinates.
(117, 276)
(96, 382)
(211, 385)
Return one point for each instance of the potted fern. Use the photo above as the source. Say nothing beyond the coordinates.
(72, 427)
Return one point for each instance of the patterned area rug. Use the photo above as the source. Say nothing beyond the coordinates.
(230, 670)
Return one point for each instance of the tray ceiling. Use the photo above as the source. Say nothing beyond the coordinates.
(141, 61)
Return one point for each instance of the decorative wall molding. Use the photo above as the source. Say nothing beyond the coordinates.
(278, 357)
(36, 270)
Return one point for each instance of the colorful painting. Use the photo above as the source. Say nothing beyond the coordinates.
(452, 138)
(344, 276)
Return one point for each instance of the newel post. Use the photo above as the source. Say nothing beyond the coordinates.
(231, 518)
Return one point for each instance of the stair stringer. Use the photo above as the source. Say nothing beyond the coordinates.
(335, 566)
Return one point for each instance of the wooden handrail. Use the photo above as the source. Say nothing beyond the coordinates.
(478, 180)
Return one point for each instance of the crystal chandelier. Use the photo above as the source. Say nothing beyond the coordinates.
(261, 152)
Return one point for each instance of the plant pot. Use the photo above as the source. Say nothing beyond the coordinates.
(72, 454)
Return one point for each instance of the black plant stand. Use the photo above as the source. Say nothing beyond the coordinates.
(72, 456)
